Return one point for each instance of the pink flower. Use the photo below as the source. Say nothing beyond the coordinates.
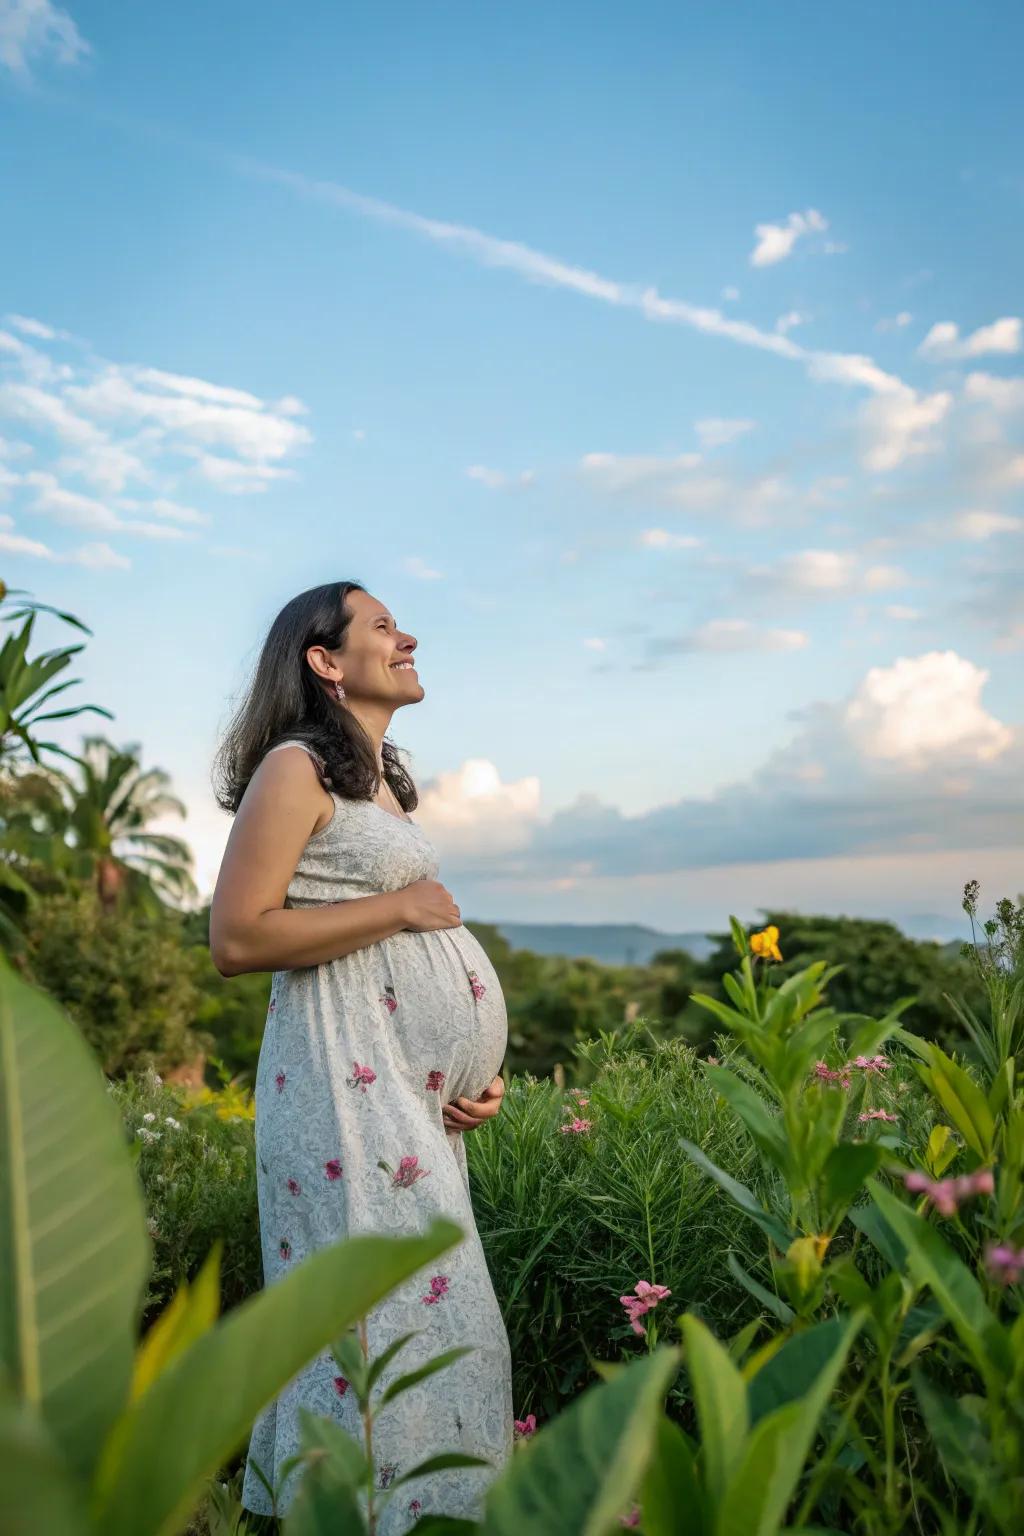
(438, 1288)
(389, 999)
(294, 1186)
(280, 1081)
(946, 1195)
(632, 1518)
(435, 1081)
(576, 1127)
(524, 1428)
(824, 1073)
(1004, 1264)
(415, 1508)
(478, 987)
(284, 1248)
(645, 1300)
(869, 1064)
(340, 1385)
(333, 1168)
(273, 1005)
(361, 1077)
(878, 1114)
(408, 1172)
(387, 1474)
(578, 1103)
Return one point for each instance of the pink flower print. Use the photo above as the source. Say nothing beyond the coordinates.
(524, 1428)
(435, 1081)
(386, 1475)
(340, 1385)
(878, 1114)
(361, 1077)
(333, 1168)
(294, 1186)
(284, 1248)
(438, 1288)
(273, 1005)
(280, 1081)
(478, 987)
(408, 1172)
(576, 1127)
(415, 1508)
(388, 998)
(645, 1300)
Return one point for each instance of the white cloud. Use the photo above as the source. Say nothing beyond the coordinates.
(823, 572)
(37, 29)
(895, 322)
(659, 538)
(901, 425)
(925, 708)
(790, 320)
(596, 644)
(901, 613)
(944, 341)
(74, 510)
(536, 266)
(497, 479)
(715, 431)
(978, 525)
(736, 635)
(470, 810)
(1003, 395)
(421, 570)
(776, 241)
(730, 294)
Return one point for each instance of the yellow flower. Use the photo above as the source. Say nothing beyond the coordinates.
(766, 943)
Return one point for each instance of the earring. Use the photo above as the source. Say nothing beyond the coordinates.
(339, 692)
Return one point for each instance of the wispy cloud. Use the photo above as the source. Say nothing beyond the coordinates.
(776, 241)
(32, 30)
(497, 479)
(944, 341)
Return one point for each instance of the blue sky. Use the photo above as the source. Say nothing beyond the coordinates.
(661, 368)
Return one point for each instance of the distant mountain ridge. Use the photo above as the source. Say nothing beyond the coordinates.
(636, 944)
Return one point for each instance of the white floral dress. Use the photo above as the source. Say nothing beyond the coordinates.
(358, 1057)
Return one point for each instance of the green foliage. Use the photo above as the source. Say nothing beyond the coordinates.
(571, 1222)
(125, 980)
(879, 964)
(87, 1420)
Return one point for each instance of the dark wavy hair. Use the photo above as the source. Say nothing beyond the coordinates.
(286, 700)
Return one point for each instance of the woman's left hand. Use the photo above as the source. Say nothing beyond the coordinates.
(468, 1114)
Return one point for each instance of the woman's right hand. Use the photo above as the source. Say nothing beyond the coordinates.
(427, 904)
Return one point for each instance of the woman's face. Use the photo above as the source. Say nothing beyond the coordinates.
(371, 654)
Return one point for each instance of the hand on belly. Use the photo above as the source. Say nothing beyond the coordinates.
(466, 1114)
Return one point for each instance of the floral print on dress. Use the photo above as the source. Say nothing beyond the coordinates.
(361, 1077)
(386, 1476)
(478, 987)
(408, 1172)
(284, 1248)
(280, 1080)
(341, 1386)
(333, 1168)
(435, 1081)
(438, 1288)
(294, 1186)
(388, 998)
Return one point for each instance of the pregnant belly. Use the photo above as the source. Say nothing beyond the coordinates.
(447, 1008)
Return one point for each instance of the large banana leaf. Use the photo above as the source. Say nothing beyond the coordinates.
(575, 1478)
(199, 1411)
(72, 1228)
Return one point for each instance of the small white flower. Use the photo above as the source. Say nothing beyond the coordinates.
(159, 1178)
(149, 1116)
(170, 1120)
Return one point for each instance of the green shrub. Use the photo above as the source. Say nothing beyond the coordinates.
(570, 1221)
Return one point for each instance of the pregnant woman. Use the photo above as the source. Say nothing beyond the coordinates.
(385, 1033)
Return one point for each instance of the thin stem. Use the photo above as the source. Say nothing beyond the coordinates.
(367, 1411)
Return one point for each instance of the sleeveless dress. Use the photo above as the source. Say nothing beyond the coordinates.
(358, 1057)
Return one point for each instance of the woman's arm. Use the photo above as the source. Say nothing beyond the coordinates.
(250, 927)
